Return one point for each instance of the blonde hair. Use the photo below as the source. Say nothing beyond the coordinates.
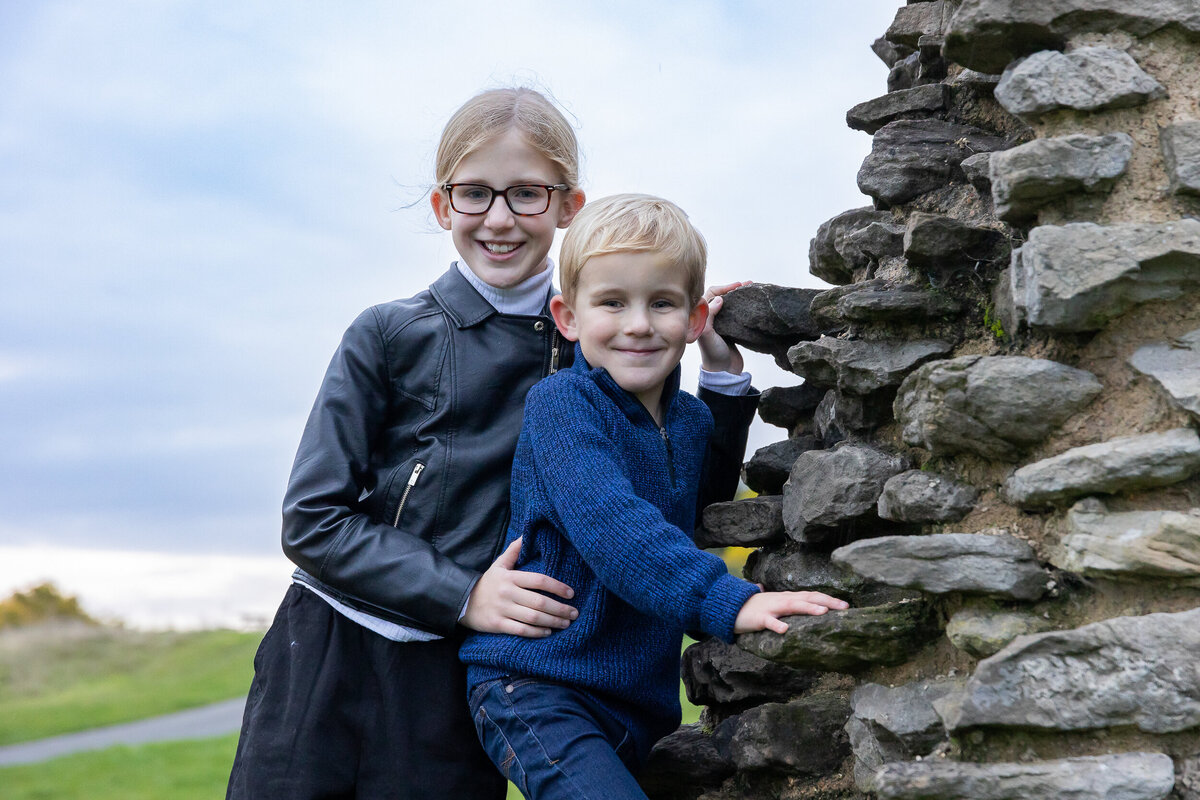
(633, 223)
(493, 113)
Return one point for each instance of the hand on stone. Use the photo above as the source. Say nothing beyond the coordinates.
(762, 611)
(506, 600)
(716, 354)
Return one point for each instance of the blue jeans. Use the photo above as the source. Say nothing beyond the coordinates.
(553, 741)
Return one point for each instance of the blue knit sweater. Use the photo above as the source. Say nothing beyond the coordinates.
(602, 496)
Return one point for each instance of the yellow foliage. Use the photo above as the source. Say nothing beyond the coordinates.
(40, 603)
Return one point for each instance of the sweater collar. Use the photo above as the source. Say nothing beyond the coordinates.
(629, 405)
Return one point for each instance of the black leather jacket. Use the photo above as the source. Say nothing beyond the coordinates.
(398, 497)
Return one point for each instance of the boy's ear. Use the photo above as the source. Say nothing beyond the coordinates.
(564, 318)
(572, 204)
(697, 320)
(441, 207)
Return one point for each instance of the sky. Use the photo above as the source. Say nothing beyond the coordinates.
(199, 197)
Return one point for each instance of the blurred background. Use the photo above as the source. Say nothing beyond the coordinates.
(199, 197)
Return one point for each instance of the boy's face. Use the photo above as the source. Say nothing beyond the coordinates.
(632, 316)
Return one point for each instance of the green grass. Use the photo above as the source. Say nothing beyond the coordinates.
(191, 770)
(61, 679)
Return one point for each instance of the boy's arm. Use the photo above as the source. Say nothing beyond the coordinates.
(388, 571)
(732, 405)
(624, 539)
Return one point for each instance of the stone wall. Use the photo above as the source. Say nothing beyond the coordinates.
(993, 454)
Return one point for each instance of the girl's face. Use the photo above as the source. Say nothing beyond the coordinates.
(502, 248)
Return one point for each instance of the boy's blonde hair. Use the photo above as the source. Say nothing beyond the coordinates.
(633, 223)
(493, 113)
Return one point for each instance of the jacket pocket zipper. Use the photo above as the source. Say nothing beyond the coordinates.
(417, 469)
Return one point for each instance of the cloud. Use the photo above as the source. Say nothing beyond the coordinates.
(198, 199)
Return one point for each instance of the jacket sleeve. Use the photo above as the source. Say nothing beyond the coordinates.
(732, 415)
(624, 539)
(389, 572)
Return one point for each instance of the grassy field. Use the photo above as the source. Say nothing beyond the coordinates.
(62, 678)
(65, 677)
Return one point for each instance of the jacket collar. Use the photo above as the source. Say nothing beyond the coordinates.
(459, 300)
(463, 303)
(630, 406)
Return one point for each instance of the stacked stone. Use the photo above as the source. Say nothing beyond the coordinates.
(993, 454)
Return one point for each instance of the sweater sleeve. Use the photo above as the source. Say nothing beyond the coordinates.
(624, 539)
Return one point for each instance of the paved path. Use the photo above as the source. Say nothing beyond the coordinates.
(217, 719)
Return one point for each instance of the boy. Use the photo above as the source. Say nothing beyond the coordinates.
(611, 466)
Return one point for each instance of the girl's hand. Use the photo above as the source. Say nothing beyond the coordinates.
(762, 611)
(506, 600)
(716, 354)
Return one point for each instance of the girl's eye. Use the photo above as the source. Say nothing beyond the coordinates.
(475, 194)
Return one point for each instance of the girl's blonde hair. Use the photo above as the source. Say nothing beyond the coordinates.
(633, 223)
(493, 113)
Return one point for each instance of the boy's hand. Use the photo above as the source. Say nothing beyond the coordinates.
(505, 600)
(716, 354)
(763, 611)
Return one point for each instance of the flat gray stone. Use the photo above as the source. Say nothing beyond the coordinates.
(684, 763)
(849, 640)
(1142, 545)
(977, 168)
(919, 19)
(1123, 776)
(1181, 154)
(716, 673)
(920, 102)
(911, 157)
(993, 406)
(769, 467)
(751, 522)
(831, 257)
(862, 367)
(982, 632)
(993, 565)
(1175, 365)
(803, 737)
(878, 240)
(1031, 175)
(1138, 671)
(1077, 277)
(940, 242)
(788, 406)
(890, 52)
(895, 724)
(793, 567)
(1124, 464)
(925, 497)
(766, 318)
(896, 304)
(841, 416)
(1086, 79)
(827, 488)
(987, 35)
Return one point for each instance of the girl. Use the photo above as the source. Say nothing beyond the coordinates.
(398, 498)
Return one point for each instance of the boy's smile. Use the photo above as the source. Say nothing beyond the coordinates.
(632, 315)
(501, 247)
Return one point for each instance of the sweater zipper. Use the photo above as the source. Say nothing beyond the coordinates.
(662, 431)
(554, 352)
(417, 469)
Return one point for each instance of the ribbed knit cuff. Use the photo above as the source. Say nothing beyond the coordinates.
(720, 609)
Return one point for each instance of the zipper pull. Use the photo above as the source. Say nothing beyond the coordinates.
(416, 473)
(554, 352)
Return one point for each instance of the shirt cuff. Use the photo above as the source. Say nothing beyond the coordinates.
(725, 382)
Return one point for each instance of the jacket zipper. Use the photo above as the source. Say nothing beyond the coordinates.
(662, 431)
(554, 352)
(418, 468)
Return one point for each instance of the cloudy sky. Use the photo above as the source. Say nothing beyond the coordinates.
(198, 198)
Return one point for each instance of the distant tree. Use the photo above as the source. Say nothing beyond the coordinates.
(40, 603)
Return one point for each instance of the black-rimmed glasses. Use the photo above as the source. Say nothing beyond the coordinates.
(524, 200)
